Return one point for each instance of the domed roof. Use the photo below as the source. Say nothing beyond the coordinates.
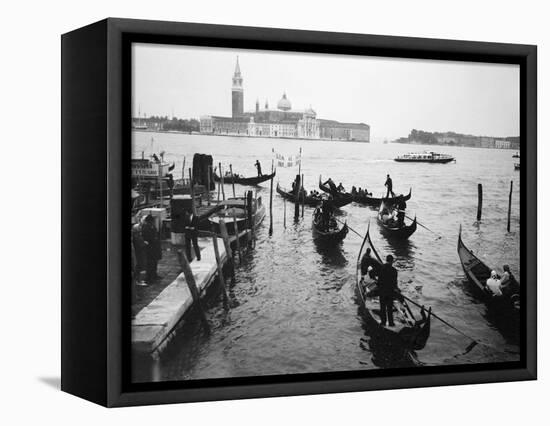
(284, 104)
(310, 111)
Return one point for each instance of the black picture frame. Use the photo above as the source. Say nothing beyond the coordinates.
(96, 123)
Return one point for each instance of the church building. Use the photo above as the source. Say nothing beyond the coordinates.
(281, 122)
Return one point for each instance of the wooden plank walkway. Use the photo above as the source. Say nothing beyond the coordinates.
(154, 323)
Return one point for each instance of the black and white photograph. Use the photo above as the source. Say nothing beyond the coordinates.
(309, 213)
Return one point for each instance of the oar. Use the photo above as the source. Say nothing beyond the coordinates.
(469, 347)
(425, 227)
(350, 228)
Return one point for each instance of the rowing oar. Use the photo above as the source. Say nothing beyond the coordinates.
(350, 228)
(425, 227)
(469, 347)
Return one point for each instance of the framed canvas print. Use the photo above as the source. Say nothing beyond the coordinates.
(275, 212)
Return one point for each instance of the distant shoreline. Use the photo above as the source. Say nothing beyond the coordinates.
(454, 146)
(244, 136)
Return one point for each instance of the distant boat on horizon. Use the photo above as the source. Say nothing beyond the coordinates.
(424, 157)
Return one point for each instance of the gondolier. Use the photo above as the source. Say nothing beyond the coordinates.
(259, 168)
(389, 185)
(387, 290)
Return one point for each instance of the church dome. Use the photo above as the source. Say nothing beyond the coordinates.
(284, 103)
(310, 111)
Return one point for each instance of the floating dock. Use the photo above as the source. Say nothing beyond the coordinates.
(153, 324)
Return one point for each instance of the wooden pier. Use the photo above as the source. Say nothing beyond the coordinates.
(153, 324)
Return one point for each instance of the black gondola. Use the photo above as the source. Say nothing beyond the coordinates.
(366, 200)
(309, 200)
(332, 233)
(393, 229)
(477, 274)
(256, 180)
(409, 332)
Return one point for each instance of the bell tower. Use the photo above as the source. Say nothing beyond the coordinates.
(237, 95)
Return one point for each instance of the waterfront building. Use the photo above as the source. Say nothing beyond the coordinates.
(281, 122)
(502, 144)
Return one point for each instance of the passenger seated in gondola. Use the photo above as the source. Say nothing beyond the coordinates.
(401, 207)
(327, 211)
(369, 281)
(494, 284)
(368, 261)
(353, 190)
(508, 283)
(331, 185)
(341, 188)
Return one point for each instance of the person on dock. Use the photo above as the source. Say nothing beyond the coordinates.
(389, 185)
(140, 256)
(153, 251)
(367, 261)
(494, 284)
(191, 235)
(259, 168)
(388, 291)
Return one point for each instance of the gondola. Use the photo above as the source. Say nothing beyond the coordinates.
(309, 200)
(256, 180)
(410, 332)
(477, 274)
(333, 234)
(235, 212)
(393, 230)
(366, 200)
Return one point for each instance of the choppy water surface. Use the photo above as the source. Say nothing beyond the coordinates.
(293, 307)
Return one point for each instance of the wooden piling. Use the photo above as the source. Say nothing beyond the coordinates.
(192, 184)
(208, 184)
(192, 285)
(232, 179)
(225, 237)
(271, 203)
(222, 182)
(237, 239)
(479, 201)
(510, 205)
(284, 213)
(297, 193)
(219, 265)
(303, 196)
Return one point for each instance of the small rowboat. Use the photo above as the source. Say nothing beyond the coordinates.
(333, 234)
(393, 230)
(256, 180)
(408, 331)
(309, 200)
(477, 274)
(366, 200)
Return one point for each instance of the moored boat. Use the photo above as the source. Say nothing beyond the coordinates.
(390, 225)
(408, 331)
(256, 180)
(477, 273)
(425, 157)
(235, 211)
(330, 233)
(309, 200)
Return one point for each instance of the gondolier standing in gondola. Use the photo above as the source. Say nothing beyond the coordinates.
(259, 167)
(387, 290)
(389, 185)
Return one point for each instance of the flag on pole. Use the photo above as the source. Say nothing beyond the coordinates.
(288, 160)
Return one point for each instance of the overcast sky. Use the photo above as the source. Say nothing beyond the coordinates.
(393, 96)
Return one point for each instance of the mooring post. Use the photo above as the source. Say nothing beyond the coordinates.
(297, 192)
(219, 265)
(284, 213)
(192, 285)
(510, 204)
(271, 203)
(208, 184)
(251, 219)
(232, 179)
(238, 240)
(222, 182)
(227, 244)
(479, 201)
(303, 196)
(192, 193)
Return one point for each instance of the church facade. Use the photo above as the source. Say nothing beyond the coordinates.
(281, 122)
